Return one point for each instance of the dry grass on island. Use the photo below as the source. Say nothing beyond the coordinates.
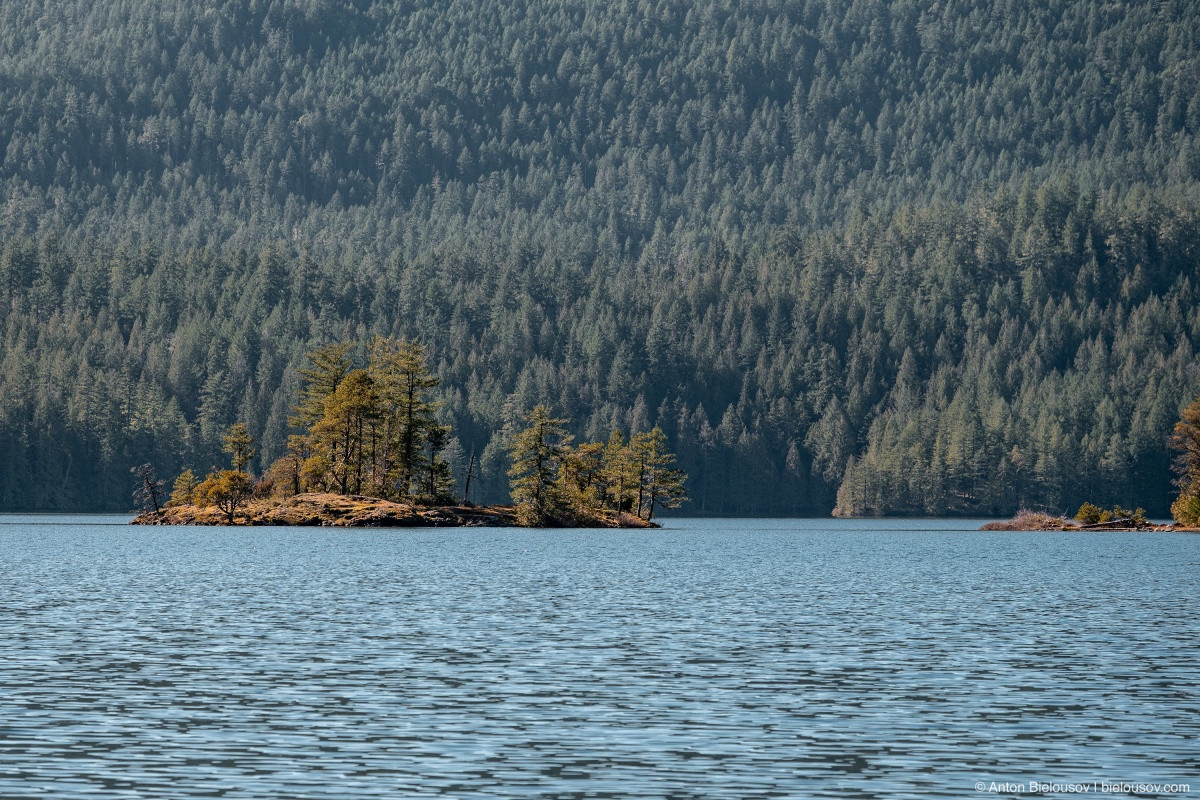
(1026, 520)
(1088, 518)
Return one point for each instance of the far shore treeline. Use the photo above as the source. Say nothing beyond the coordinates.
(373, 430)
(1029, 350)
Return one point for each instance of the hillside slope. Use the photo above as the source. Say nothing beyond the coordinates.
(941, 258)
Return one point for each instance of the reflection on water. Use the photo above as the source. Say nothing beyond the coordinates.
(713, 659)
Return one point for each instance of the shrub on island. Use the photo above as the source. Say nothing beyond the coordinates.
(1091, 514)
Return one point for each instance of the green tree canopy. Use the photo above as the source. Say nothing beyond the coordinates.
(537, 454)
(183, 491)
(239, 444)
(659, 481)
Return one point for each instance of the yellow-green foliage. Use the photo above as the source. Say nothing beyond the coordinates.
(581, 476)
(1186, 510)
(374, 430)
(228, 490)
(183, 490)
(1088, 514)
(238, 443)
(284, 476)
(1091, 514)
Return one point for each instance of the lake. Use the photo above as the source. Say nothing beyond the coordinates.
(713, 658)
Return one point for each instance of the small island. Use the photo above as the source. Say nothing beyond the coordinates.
(357, 511)
(1108, 521)
(371, 455)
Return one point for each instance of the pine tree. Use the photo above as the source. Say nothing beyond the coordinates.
(581, 477)
(149, 491)
(238, 443)
(228, 490)
(537, 453)
(437, 482)
(619, 474)
(329, 366)
(348, 435)
(659, 482)
(183, 490)
(399, 368)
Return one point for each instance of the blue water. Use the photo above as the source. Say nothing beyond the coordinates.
(732, 658)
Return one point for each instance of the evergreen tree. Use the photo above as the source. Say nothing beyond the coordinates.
(537, 453)
(620, 477)
(582, 477)
(659, 482)
(400, 371)
(328, 366)
(149, 491)
(438, 481)
(184, 489)
(238, 443)
(348, 437)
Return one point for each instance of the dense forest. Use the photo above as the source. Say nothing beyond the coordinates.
(883, 257)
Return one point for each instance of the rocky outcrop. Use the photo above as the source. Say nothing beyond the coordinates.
(1038, 521)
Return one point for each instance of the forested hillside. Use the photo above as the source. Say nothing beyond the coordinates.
(888, 256)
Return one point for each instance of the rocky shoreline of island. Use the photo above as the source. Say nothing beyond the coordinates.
(357, 511)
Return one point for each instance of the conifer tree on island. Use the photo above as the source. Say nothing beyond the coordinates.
(238, 443)
(537, 457)
(183, 491)
(227, 489)
(582, 474)
(618, 473)
(1186, 439)
(399, 365)
(149, 489)
(328, 365)
(345, 440)
(659, 483)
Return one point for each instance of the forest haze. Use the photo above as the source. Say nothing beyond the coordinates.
(885, 256)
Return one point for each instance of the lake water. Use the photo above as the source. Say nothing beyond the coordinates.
(711, 659)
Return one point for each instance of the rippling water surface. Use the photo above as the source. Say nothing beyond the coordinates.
(740, 658)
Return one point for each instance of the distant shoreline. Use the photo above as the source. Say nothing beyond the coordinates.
(357, 511)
